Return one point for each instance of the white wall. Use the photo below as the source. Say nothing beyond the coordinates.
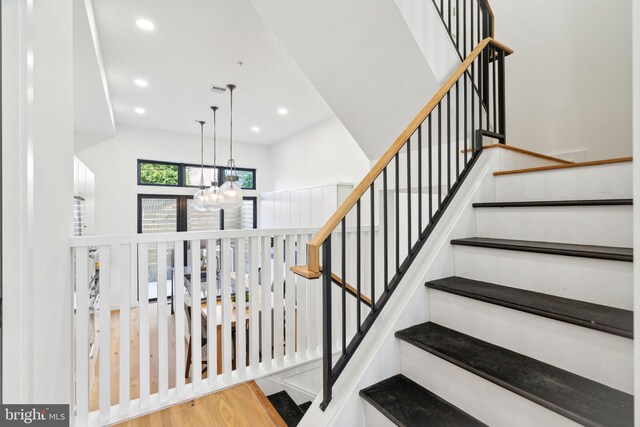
(323, 154)
(114, 163)
(37, 155)
(569, 81)
(636, 196)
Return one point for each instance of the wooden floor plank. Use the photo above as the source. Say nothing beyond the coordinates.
(235, 406)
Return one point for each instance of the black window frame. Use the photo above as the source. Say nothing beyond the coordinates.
(160, 162)
(182, 173)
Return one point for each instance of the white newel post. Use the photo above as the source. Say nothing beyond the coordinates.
(37, 49)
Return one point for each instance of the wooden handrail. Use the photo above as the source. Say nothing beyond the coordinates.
(493, 21)
(301, 270)
(350, 289)
(312, 269)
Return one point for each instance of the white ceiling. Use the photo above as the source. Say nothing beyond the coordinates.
(197, 43)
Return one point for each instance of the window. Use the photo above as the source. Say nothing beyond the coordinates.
(152, 172)
(192, 175)
(246, 178)
(158, 173)
(169, 213)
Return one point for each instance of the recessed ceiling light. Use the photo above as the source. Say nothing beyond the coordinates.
(145, 24)
(139, 110)
(141, 82)
(255, 129)
(283, 111)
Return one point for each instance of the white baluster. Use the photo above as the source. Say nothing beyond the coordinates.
(212, 313)
(301, 297)
(278, 296)
(267, 299)
(241, 314)
(196, 317)
(315, 311)
(105, 332)
(143, 322)
(290, 298)
(82, 334)
(225, 301)
(163, 330)
(254, 308)
(125, 327)
(178, 305)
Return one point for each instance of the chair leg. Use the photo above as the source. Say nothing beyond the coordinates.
(186, 371)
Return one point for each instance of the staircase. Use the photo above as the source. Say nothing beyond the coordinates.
(525, 318)
(287, 408)
(535, 327)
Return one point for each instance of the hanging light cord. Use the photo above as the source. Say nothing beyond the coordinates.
(215, 147)
(201, 154)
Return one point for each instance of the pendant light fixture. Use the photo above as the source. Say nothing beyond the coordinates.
(199, 197)
(211, 196)
(230, 195)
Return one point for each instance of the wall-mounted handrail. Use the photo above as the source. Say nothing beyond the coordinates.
(312, 269)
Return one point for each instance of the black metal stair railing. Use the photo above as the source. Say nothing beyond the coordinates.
(467, 22)
(398, 204)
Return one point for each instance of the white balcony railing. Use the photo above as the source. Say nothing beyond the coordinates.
(140, 343)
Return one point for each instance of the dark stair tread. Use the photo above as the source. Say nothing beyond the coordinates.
(555, 203)
(286, 407)
(580, 399)
(594, 316)
(406, 403)
(567, 249)
(304, 407)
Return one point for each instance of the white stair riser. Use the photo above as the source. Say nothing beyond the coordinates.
(600, 356)
(482, 399)
(375, 418)
(588, 225)
(611, 181)
(585, 279)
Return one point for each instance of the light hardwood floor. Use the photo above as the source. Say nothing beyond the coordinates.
(134, 379)
(241, 405)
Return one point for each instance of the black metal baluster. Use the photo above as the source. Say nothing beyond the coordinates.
(480, 96)
(495, 99)
(386, 234)
(473, 113)
(478, 26)
(442, 8)
(327, 349)
(408, 196)
(473, 45)
(464, 26)
(449, 11)
(358, 267)
(344, 286)
(420, 180)
(397, 186)
(503, 108)
(486, 88)
(430, 172)
(439, 154)
(457, 132)
(465, 119)
(448, 141)
(373, 248)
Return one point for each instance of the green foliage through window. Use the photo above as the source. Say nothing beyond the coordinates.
(245, 179)
(159, 174)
